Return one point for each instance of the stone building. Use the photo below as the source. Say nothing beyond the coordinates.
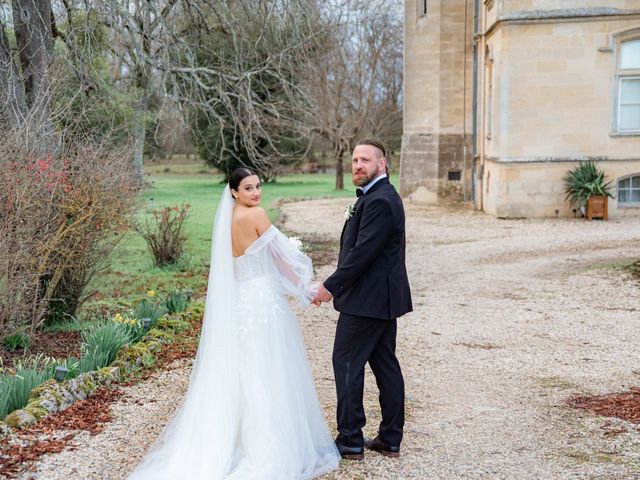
(503, 97)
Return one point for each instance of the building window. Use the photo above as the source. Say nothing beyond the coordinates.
(629, 191)
(488, 65)
(628, 83)
(422, 8)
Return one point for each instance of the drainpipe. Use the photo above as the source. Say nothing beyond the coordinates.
(474, 120)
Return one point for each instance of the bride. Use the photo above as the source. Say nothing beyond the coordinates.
(251, 411)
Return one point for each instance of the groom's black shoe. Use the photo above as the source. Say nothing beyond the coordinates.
(350, 453)
(379, 446)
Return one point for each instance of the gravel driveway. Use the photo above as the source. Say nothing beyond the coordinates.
(512, 317)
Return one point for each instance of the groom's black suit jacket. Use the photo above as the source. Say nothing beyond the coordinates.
(371, 278)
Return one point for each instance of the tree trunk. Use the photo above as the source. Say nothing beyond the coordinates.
(12, 100)
(139, 128)
(339, 169)
(34, 38)
(139, 135)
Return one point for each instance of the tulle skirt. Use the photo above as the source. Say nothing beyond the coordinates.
(277, 429)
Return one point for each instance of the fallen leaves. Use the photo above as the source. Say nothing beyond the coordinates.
(625, 405)
(44, 437)
(55, 433)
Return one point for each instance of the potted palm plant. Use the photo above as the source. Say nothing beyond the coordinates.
(587, 189)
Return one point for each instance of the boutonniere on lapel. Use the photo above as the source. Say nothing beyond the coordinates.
(349, 210)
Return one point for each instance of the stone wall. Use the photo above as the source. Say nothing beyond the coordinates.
(437, 104)
(554, 92)
(536, 189)
(427, 162)
(507, 8)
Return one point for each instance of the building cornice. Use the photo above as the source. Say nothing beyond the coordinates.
(568, 159)
(560, 15)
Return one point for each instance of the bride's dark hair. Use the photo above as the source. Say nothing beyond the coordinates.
(237, 175)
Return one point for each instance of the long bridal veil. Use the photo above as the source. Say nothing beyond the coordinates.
(206, 422)
(251, 411)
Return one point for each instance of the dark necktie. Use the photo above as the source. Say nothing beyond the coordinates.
(359, 192)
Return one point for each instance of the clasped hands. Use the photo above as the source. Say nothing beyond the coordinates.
(321, 296)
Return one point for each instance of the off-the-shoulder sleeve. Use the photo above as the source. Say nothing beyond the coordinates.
(292, 269)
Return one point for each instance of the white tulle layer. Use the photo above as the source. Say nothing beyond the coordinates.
(282, 431)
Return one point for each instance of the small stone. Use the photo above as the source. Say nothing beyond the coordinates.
(5, 430)
(20, 418)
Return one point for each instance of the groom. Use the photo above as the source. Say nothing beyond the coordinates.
(370, 289)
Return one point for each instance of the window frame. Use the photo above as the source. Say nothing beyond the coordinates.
(423, 8)
(620, 75)
(489, 79)
(630, 189)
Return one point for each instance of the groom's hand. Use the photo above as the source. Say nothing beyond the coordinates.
(323, 295)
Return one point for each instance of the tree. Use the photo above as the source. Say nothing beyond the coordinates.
(355, 88)
(243, 114)
(239, 72)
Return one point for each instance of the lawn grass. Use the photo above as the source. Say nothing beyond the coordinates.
(132, 273)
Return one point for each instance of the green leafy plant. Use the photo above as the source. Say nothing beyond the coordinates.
(135, 331)
(70, 324)
(149, 309)
(585, 181)
(16, 384)
(72, 364)
(16, 340)
(101, 344)
(176, 302)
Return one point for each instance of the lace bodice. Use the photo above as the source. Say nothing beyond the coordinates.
(250, 266)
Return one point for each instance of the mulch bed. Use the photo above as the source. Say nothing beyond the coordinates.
(56, 432)
(50, 344)
(624, 405)
(43, 437)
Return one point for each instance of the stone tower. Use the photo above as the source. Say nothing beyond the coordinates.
(437, 157)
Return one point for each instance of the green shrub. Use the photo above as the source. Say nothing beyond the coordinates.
(101, 344)
(176, 302)
(16, 386)
(16, 341)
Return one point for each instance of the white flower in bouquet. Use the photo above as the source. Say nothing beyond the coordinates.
(296, 243)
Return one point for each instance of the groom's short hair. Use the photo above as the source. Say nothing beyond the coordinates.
(374, 142)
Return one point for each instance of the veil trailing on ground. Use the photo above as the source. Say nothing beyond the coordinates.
(206, 423)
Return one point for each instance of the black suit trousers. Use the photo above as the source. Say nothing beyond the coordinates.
(360, 340)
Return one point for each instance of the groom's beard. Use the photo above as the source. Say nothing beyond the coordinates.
(363, 179)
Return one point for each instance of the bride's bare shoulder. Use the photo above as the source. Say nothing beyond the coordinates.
(255, 217)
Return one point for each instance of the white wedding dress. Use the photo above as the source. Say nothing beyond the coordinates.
(251, 411)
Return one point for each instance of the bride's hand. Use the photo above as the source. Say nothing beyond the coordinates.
(322, 295)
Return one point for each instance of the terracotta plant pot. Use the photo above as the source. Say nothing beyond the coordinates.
(598, 207)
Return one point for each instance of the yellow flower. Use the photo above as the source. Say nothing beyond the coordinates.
(151, 293)
(117, 318)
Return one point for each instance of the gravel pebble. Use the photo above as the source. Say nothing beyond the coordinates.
(512, 317)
